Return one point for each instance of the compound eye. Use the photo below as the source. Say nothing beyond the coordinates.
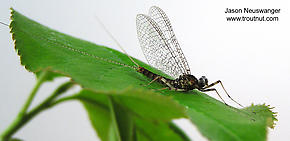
(205, 80)
(201, 81)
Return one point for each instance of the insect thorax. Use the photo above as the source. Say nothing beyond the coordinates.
(187, 82)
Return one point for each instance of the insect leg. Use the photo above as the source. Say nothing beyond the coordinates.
(212, 84)
(175, 89)
(180, 90)
(170, 87)
(158, 77)
(163, 89)
(166, 83)
(213, 89)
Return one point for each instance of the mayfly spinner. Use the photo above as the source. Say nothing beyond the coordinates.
(162, 51)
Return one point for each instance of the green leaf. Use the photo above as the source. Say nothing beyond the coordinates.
(263, 112)
(121, 121)
(158, 131)
(100, 68)
(50, 74)
(15, 139)
(224, 122)
(99, 116)
(113, 119)
(145, 104)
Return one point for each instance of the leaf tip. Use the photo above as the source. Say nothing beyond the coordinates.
(266, 112)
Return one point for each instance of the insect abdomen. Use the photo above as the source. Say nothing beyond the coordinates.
(147, 73)
(151, 75)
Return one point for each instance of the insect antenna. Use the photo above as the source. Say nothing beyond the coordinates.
(115, 40)
(4, 23)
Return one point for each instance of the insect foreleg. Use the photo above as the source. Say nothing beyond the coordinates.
(213, 89)
(212, 84)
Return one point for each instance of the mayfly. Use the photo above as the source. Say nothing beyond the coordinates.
(162, 51)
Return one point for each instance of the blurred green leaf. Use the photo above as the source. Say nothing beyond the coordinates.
(121, 120)
(15, 139)
(116, 115)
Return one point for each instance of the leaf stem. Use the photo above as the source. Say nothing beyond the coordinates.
(20, 117)
(47, 102)
(24, 116)
(67, 98)
(26, 105)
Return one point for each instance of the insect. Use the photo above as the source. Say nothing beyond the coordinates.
(162, 51)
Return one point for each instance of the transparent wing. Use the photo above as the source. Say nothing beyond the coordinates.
(159, 16)
(156, 49)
